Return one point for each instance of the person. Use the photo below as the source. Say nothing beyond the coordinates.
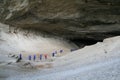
(40, 56)
(45, 56)
(34, 57)
(61, 51)
(29, 57)
(20, 56)
(53, 54)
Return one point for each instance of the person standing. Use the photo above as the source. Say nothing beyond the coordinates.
(61, 51)
(46, 56)
(53, 54)
(20, 57)
(40, 56)
(34, 57)
(30, 57)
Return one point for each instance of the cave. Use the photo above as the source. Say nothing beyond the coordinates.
(84, 42)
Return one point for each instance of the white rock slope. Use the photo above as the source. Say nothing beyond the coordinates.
(97, 62)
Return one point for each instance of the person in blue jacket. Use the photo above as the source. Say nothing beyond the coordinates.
(34, 57)
(61, 51)
(53, 54)
(29, 57)
(20, 56)
(40, 56)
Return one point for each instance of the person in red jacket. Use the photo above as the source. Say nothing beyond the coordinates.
(46, 56)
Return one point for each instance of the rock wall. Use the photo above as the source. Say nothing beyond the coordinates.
(71, 19)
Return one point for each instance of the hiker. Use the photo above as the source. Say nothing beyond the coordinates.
(53, 54)
(34, 57)
(40, 56)
(61, 51)
(30, 57)
(45, 56)
(20, 56)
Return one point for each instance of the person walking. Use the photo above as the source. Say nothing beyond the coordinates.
(53, 54)
(40, 56)
(34, 57)
(46, 56)
(29, 57)
(61, 51)
(20, 56)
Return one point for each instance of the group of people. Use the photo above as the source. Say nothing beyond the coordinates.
(42, 56)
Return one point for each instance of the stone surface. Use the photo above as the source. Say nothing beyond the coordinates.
(72, 19)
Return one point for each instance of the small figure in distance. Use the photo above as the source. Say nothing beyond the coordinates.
(40, 56)
(34, 57)
(46, 56)
(19, 58)
(61, 51)
(53, 54)
(29, 57)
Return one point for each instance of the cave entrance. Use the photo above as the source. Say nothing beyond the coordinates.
(84, 42)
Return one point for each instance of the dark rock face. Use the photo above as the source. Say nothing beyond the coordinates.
(71, 19)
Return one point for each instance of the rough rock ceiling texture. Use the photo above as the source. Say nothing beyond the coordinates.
(72, 19)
